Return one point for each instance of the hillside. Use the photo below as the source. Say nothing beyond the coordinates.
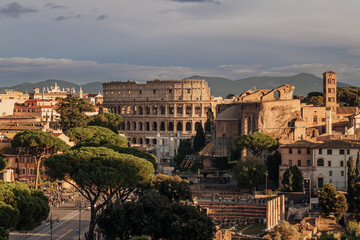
(303, 82)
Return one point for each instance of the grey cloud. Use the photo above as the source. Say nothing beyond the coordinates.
(198, 1)
(54, 6)
(102, 17)
(62, 18)
(15, 10)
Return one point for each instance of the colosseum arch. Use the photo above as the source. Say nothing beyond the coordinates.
(188, 126)
(162, 126)
(154, 126)
(171, 126)
(179, 127)
(147, 126)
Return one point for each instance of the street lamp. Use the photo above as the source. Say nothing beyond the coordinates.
(51, 221)
(266, 174)
(79, 203)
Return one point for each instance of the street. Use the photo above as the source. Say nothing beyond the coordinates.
(66, 228)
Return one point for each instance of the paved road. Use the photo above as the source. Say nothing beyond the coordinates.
(66, 229)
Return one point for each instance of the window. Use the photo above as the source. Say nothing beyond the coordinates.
(315, 119)
(347, 151)
(329, 152)
(342, 173)
(290, 150)
(23, 171)
(31, 171)
(170, 91)
(140, 91)
(290, 162)
(320, 150)
(320, 162)
(308, 151)
(330, 173)
(342, 151)
(320, 182)
(299, 163)
(307, 162)
(341, 163)
(188, 91)
(329, 163)
(299, 150)
(154, 91)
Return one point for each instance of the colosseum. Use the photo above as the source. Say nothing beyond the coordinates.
(159, 109)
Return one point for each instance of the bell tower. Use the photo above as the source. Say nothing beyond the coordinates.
(329, 90)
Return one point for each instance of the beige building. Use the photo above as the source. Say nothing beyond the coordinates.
(159, 108)
(276, 113)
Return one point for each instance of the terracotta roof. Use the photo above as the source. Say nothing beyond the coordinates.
(300, 144)
(8, 151)
(339, 144)
(346, 110)
(18, 117)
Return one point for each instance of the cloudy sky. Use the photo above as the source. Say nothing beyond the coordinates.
(90, 40)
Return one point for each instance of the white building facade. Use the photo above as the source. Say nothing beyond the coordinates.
(330, 160)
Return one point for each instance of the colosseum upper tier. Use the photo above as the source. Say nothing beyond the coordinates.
(164, 107)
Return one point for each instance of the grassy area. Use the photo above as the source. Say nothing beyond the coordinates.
(254, 229)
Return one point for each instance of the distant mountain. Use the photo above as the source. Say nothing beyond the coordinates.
(93, 87)
(303, 82)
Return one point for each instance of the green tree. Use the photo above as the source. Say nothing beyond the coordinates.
(316, 100)
(94, 136)
(135, 152)
(272, 164)
(353, 229)
(36, 144)
(357, 169)
(3, 162)
(351, 183)
(21, 208)
(284, 231)
(199, 139)
(332, 202)
(107, 120)
(153, 215)
(256, 143)
(174, 188)
(250, 173)
(293, 179)
(210, 121)
(99, 174)
(72, 114)
(183, 150)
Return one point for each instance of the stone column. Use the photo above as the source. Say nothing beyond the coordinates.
(175, 109)
(166, 110)
(282, 208)
(192, 110)
(202, 110)
(184, 110)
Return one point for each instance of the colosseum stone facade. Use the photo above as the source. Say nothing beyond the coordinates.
(156, 108)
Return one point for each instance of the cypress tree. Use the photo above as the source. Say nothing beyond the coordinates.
(199, 140)
(351, 182)
(357, 170)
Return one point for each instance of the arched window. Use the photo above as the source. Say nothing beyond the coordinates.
(315, 119)
(141, 110)
(188, 109)
(320, 162)
(155, 110)
(140, 141)
(179, 126)
(179, 109)
(188, 126)
(253, 124)
(134, 126)
(140, 126)
(134, 140)
(162, 109)
(155, 126)
(128, 125)
(162, 126)
(171, 126)
(276, 94)
(147, 126)
(147, 110)
(249, 125)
